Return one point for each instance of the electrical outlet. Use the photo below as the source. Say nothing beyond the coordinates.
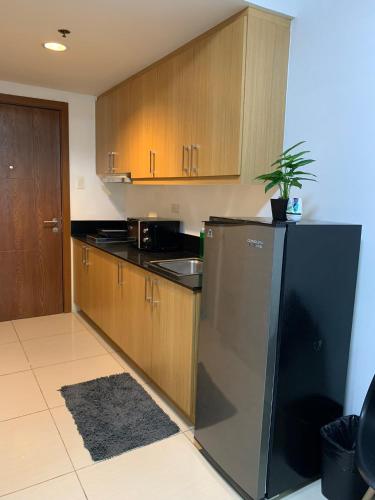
(175, 208)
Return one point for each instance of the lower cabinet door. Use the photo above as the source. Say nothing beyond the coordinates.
(105, 279)
(134, 318)
(173, 342)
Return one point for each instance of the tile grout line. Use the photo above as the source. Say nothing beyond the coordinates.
(55, 364)
(53, 335)
(13, 373)
(67, 361)
(53, 420)
(23, 415)
(59, 433)
(36, 484)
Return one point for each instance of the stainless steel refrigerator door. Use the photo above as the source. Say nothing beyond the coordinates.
(237, 349)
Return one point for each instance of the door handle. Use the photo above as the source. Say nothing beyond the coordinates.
(51, 223)
(153, 301)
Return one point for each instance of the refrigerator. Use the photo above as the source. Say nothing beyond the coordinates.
(273, 348)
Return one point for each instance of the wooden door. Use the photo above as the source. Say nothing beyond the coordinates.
(31, 271)
(173, 342)
(135, 320)
(216, 96)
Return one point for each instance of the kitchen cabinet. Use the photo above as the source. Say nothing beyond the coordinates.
(153, 320)
(174, 313)
(83, 278)
(216, 100)
(134, 316)
(212, 110)
(109, 146)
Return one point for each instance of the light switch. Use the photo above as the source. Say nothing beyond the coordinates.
(80, 182)
(175, 208)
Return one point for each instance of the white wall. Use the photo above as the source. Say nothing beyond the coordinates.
(331, 104)
(95, 201)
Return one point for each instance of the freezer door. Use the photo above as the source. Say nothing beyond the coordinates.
(237, 349)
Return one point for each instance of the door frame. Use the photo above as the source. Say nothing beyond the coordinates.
(63, 109)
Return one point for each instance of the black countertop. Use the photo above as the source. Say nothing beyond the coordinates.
(129, 253)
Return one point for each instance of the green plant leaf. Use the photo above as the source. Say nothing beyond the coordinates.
(299, 172)
(296, 183)
(293, 147)
(270, 186)
(301, 163)
(305, 179)
(294, 157)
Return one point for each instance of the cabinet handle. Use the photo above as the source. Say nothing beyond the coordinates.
(147, 280)
(83, 252)
(120, 280)
(185, 155)
(87, 256)
(110, 163)
(153, 157)
(153, 301)
(150, 162)
(194, 166)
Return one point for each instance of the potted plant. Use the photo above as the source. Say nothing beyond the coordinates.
(286, 175)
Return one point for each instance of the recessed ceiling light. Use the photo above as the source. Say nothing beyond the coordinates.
(57, 47)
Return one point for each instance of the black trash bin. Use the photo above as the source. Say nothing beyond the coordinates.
(340, 477)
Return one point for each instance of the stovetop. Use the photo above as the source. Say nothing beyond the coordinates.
(110, 236)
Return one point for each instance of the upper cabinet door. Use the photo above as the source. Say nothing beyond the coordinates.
(173, 114)
(143, 119)
(110, 157)
(216, 96)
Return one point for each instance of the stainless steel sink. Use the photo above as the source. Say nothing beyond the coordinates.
(179, 267)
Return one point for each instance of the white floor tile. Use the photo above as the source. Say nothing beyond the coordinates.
(45, 326)
(62, 488)
(310, 492)
(96, 332)
(134, 372)
(79, 455)
(12, 358)
(7, 333)
(167, 470)
(31, 452)
(52, 378)
(19, 395)
(46, 351)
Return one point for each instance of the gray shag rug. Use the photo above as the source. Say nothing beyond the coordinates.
(115, 414)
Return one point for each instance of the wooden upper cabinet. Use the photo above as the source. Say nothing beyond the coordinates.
(214, 108)
(108, 141)
(216, 98)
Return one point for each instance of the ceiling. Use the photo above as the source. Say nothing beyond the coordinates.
(110, 39)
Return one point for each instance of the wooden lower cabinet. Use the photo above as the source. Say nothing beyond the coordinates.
(134, 316)
(174, 315)
(153, 320)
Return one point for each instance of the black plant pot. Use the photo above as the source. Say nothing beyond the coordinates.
(279, 206)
